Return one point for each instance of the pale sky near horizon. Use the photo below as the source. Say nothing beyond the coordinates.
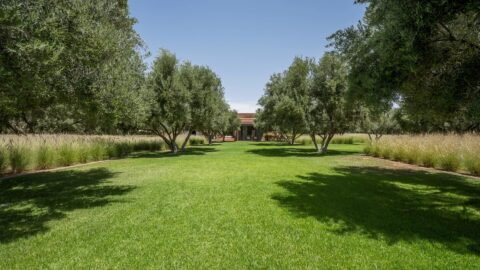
(244, 42)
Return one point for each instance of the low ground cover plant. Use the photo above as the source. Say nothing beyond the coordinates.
(449, 152)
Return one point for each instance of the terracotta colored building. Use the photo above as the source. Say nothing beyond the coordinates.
(247, 131)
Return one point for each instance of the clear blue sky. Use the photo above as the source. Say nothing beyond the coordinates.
(244, 42)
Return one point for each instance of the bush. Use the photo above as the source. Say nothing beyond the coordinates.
(45, 157)
(342, 140)
(111, 150)
(197, 140)
(97, 151)
(304, 140)
(19, 158)
(368, 150)
(472, 163)
(450, 162)
(3, 160)
(385, 152)
(428, 159)
(123, 149)
(398, 154)
(66, 155)
(83, 154)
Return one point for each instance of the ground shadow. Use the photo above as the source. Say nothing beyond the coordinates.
(393, 205)
(271, 143)
(297, 152)
(28, 202)
(193, 151)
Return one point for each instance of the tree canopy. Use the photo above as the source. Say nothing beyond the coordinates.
(422, 55)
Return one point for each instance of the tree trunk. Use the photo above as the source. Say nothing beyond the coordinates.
(174, 149)
(326, 143)
(314, 140)
(210, 139)
(184, 144)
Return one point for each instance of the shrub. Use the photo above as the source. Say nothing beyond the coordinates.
(45, 157)
(450, 162)
(111, 150)
(412, 156)
(398, 154)
(368, 149)
(3, 160)
(19, 158)
(342, 140)
(97, 151)
(304, 140)
(122, 149)
(197, 140)
(385, 152)
(472, 163)
(83, 154)
(66, 155)
(428, 159)
(376, 151)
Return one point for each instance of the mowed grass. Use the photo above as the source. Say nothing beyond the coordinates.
(241, 205)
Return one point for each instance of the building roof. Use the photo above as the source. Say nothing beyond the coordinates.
(247, 118)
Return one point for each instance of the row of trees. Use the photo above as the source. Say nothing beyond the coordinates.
(78, 66)
(408, 66)
(309, 98)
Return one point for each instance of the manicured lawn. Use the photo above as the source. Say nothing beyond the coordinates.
(241, 206)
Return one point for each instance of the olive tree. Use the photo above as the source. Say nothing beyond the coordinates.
(331, 112)
(170, 109)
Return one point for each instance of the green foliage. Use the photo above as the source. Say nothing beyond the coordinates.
(428, 159)
(3, 159)
(70, 66)
(98, 151)
(123, 149)
(449, 162)
(285, 101)
(343, 140)
(45, 157)
(472, 164)
(67, 155)
(197, 140)
(423, 55)
(19, 158)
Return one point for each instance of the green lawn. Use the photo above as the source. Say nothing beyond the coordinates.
(241, 206)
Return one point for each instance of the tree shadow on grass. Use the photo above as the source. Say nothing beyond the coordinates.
(193, 151)
(392, 205)
(28, 202)
(297, 152)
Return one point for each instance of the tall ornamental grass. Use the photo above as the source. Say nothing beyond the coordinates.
(38, 152)
(197, 140)
(456, 153)
(337, 139)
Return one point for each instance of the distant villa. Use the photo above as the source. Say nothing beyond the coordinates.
(247, 131)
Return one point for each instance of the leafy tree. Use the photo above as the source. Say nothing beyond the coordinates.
(425, 55)
(170, 110)
(206, 102)
(331, 111)
(232, 123)
(69, 66)
(376, 124)
(284, 101)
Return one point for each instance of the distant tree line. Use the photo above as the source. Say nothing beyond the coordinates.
(78, 66)
(408, 66)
